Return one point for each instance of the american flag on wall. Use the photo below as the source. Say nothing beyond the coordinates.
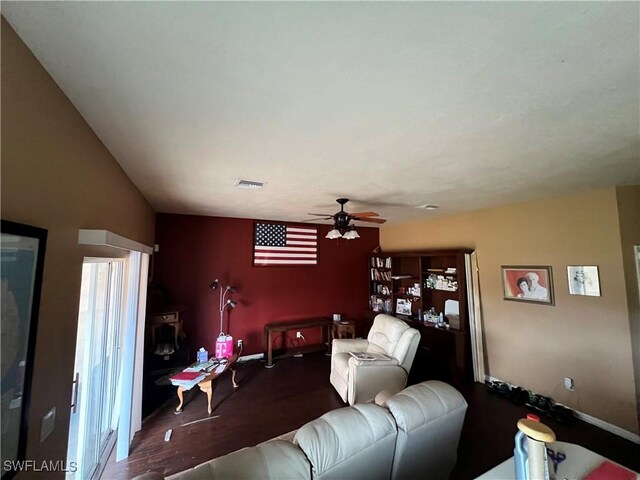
(283, 245)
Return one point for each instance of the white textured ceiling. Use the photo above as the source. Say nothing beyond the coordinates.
(462, 105)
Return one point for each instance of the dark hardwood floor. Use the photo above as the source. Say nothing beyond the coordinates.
(270, 402)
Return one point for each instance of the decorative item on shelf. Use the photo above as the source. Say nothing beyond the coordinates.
(382, 289)
(441, 282)
(224, 342)
(430, 316)
(403, 306)
(415, 290)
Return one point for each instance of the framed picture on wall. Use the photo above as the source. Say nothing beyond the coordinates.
(22, 263)
(523, 283)
(583, 280)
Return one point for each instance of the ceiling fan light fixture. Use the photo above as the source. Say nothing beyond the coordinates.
(351, 235)
(333, 234)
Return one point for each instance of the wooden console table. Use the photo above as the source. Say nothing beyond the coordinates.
(279, 327)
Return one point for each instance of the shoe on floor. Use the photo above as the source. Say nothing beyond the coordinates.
(518, 395)
(561, 414)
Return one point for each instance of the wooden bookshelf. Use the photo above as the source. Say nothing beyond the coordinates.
(426, 280)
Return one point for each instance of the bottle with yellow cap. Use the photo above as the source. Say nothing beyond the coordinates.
(530, 452)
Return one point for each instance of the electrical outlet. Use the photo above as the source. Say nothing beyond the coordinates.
(568, 383)
(298, 334)
(240, 343)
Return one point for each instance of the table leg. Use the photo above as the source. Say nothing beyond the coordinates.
(269, 350)
(181, 398)
(207, 387)
(233, 377)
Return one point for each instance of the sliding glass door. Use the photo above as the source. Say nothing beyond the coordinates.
(97, 361)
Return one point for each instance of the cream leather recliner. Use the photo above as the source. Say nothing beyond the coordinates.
(358, 381)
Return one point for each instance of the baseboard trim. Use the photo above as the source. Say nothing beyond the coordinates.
(609, 427)
(255, 356)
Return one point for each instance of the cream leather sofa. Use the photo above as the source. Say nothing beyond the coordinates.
(413, 434)
(358, 381)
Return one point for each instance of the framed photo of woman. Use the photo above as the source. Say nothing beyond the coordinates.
(523, 283)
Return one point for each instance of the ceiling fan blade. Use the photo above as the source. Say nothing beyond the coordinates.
(365, 214)
(330, 215)
(370, 220)
(315, 220)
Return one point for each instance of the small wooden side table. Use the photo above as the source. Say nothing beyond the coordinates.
(207, 383)
(342, 328)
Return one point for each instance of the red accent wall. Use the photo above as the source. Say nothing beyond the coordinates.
(194, 250)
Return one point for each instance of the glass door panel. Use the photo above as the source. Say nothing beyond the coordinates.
(96, 365)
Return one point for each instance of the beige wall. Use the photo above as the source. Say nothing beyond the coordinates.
(536, 346)
(56, 174)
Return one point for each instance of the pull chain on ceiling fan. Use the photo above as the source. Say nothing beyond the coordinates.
(342, 227)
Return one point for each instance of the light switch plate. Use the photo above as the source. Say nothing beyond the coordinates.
(48, 423)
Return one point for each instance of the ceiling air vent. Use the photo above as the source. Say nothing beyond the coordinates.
(249, 184)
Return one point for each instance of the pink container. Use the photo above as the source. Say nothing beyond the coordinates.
(224, 346)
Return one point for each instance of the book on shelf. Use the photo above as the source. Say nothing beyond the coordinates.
(369, 356)
(377, 275)
(381, 262)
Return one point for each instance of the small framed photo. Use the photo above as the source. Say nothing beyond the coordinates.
(403, 306)
(522, 283)
(583, 280)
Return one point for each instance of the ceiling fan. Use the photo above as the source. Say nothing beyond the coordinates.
(342, 220)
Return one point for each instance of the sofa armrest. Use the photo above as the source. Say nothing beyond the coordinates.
(343, 345)
(370, 378)
(354, 362)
